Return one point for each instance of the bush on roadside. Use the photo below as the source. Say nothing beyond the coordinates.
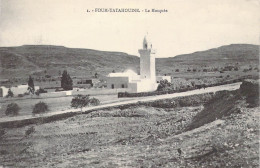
(81, 101)
(164, 85)
(39, 91)
(94, 101)
(12, 109)
(40, 107)
(20, 95)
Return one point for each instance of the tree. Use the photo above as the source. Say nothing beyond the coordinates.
(66, 81)
(40, 107)
(10, 93)
(31, 85)
(12, 109)
(81, 101)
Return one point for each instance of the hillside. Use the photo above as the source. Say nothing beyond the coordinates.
(29, 58)
(35, 59)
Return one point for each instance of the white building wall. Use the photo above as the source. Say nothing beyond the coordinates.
(145, 85)
(118, 82)
(4, 91)
(21, 89)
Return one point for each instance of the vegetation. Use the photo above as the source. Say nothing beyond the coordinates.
(12, 109)
(250, 89)
(20, 95)
(31, 85)
(96, 75)
(2, 133)
(10, 93)
(222, 104)
(164, 85)
(39, 91)
(29, 131)
(94, 102)
(66, 81)
(81, 101)
(40, 107)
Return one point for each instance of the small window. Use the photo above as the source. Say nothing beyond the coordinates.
(112, 86)
(123, 86)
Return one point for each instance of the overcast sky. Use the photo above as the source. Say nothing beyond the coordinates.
(188, 26)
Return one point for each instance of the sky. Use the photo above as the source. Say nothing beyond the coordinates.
(188, 26)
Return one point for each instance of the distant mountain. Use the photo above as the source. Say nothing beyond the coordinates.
(236, 53)
(233, 51)
(41, 59)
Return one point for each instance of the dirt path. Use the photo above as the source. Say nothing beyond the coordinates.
(122, 101)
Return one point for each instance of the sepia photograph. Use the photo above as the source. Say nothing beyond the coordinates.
(129, 83)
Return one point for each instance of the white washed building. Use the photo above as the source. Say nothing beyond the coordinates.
(146, 81)
(20, 89)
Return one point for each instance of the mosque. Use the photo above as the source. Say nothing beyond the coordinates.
(147, 80)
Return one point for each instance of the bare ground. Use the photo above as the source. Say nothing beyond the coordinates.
(141, 136)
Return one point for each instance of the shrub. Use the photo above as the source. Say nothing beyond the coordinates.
(40, 107)
(26, 93)
(47, 76)
(94, 102)
(20, 95)
(164, 85)
(245, 70)
(81, 101)
(39, 91)
(12, 109)
(29, 131)
(2, 133)
(10, 93)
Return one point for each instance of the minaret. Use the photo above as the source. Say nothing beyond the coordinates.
(147, 61)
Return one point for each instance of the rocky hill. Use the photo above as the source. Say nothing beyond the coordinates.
(37, 59)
